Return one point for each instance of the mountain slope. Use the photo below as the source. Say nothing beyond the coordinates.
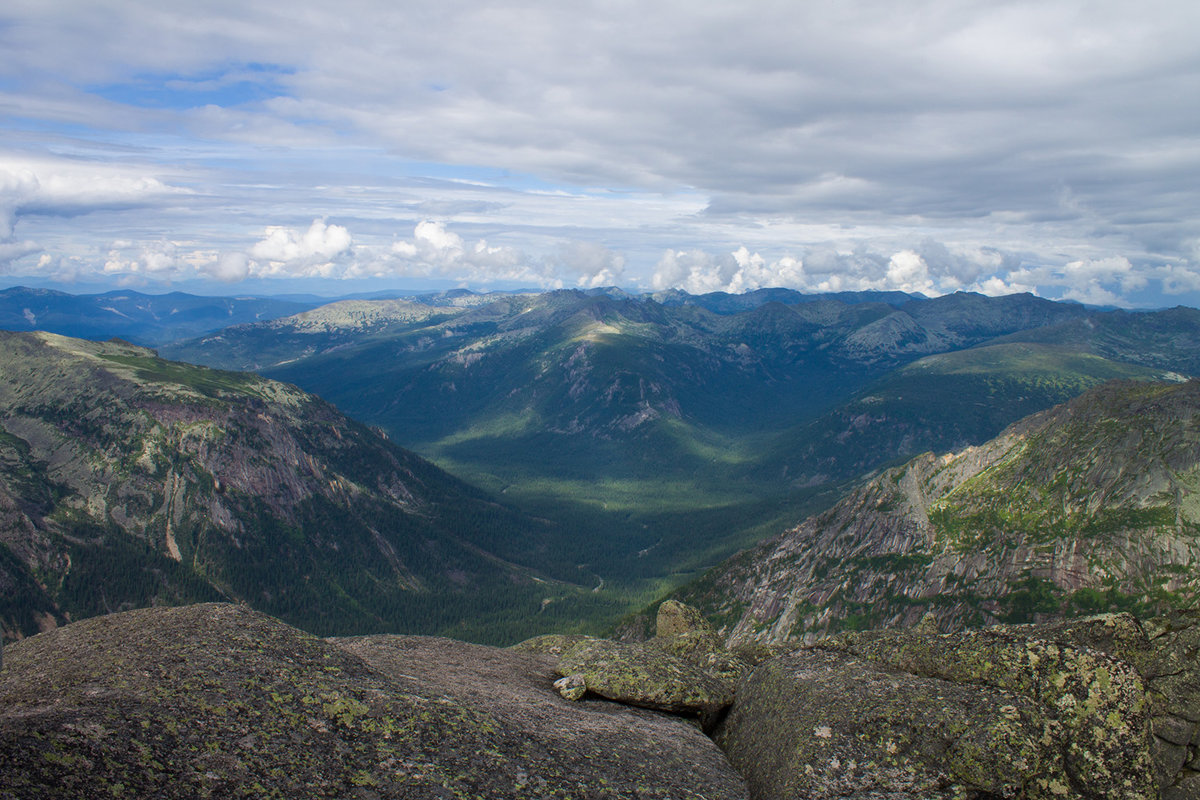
(1091, 505)
(1164, 339)
(126, 480)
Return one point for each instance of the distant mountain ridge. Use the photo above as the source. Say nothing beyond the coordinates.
(1091, 506)
(146, 319)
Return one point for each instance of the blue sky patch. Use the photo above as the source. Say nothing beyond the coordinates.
(231, 85)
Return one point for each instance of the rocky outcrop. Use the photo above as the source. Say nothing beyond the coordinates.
(220, 701)
(1105, 707)
(684, 669)
(1165, 652)
(856, 730)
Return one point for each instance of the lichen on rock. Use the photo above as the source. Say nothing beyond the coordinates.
(684, 669)
(1011, 711)
(220, 701)
(1099, 701)
(824, 724)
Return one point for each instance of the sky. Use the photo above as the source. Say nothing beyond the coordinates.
(932, 146)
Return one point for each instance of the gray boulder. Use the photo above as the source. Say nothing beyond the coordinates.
(1000, 712)
(1165, 652)
(675, 618)
(220, 701)
(644, 675)
(823, 724)
(684, 669)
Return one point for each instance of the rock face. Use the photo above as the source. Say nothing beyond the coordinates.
(1091, 506)
(855, 730)
(1098, 708)
(220, 701)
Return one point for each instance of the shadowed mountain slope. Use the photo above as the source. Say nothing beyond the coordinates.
(126, 480)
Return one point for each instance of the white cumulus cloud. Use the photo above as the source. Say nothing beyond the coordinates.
(296, 253)
(435, 251)
(593, 265)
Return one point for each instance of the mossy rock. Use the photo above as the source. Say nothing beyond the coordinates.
(648, 675)
(675, 618)
(1100, 703)
(754, 653)
(826, 724)
(554, 644)
(219, 701)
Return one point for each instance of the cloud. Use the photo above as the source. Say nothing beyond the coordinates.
(146, 260)
(434, 251)
(65, 189)
(930, 267)
(296, 253)
(593, 264)
(229, 268)
(1178, 279)
(947, 144)
(698, 272)
(1113, 269)
(11, 251)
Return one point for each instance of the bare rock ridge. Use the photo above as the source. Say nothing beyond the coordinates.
(217, 700)
(1090, 506)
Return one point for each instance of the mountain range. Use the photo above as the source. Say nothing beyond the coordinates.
(670, 431)
(146, 319)
(606, 450)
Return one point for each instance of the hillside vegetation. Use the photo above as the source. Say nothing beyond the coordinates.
(127, 480)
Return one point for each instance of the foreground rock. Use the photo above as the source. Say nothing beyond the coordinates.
(685, 669)
(220, 701)
(1104, 707)
(855, 730)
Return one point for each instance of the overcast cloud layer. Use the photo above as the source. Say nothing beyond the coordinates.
(993, 146)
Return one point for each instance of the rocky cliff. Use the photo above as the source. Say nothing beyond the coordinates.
(1090, 506)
